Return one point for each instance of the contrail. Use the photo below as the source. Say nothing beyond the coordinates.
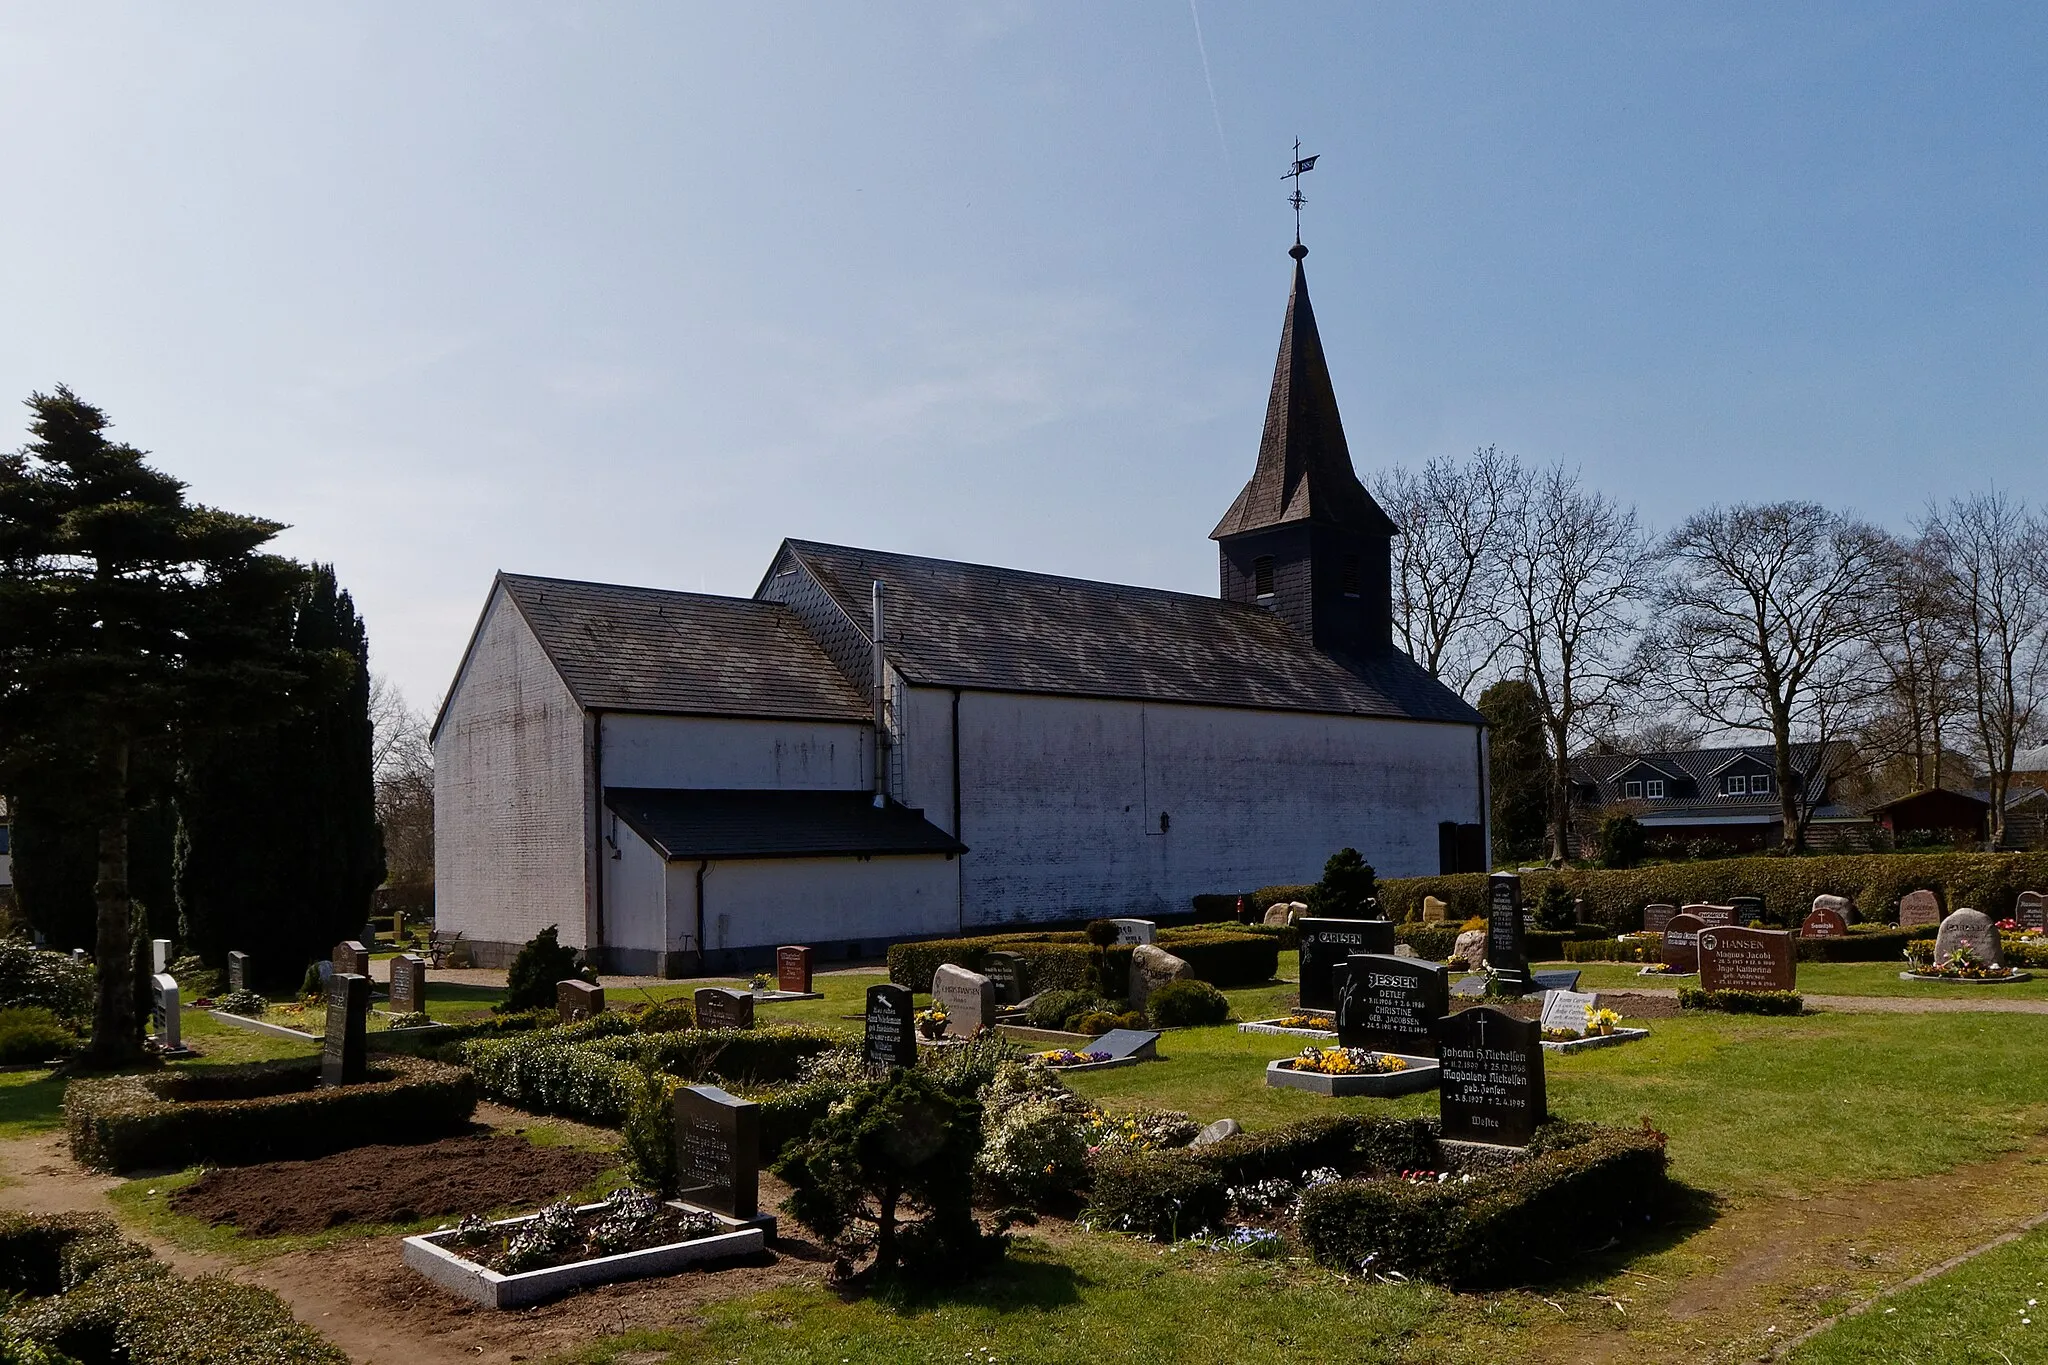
(1214, 108)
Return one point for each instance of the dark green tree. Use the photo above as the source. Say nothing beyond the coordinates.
(1518, 769)
(129, 617)
(1554, 908)
(278, 848)
(1348, 890)
(537, 969)
(1623, 840)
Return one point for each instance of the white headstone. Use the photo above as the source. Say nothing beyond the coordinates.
(1565, 1011)
(159, 955)
(969, 999)
(1132, 932)
(163, 1009)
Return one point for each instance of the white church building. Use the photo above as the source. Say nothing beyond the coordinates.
(877, 746)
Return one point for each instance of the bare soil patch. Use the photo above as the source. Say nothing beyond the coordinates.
(459, 1175)
(1631, 1005)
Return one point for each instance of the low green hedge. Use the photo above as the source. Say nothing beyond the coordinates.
(1057, 960)
(1577, 1189)
(1225, 958)
(1634, 948)
(259, 1111)
(1740, 1002)
(1863, 943)
(93, 1297)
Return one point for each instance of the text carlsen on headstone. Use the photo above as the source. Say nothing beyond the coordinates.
(1327, 942)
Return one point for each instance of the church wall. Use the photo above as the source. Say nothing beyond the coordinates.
(924, 740)
(512, 805)
(835, 905)
(1062, 799)
(713, 751)
(636, 894)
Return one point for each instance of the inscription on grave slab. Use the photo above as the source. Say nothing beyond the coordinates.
(718, 1150)
(1711, 915)
(408, 985)
(1972, 929)
(1682, 944)
(344, 1058)
(1505, 954)
(1131, 932)
(1919, 908)
(1390, 1004)
(1491, 1085)
(1656, 917)
(2031, 910)
(238, 971)
(1128, 1042)
(889, 1038)
(793, 970)
(1434, 911)
(1327, 942)
(352, 957)
(576, 1000)
(165, 1013)
(1824, 923)
(1735, 958)
(1746, 908)
(969, 999)
(1007, 972)
(1565, 1011)
(724, 1007)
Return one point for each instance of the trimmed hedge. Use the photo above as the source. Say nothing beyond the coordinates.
(1579, 1187)
(1063, 960)
(259, 1111)
(1635, 948)
(99, 1299)
(1740, 1002)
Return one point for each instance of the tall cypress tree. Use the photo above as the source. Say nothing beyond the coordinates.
(1518, 768)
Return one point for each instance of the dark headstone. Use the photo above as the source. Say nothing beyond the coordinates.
(1655, 917)
(793, 970)
(2031, 910)
(1736, 958)
(238, 971)
(1824, 922)
(718, 1150)
(1325, 943)
(1566, 979)
(1682, 944)
(890, 1037)
(1128, 1042)
(369, 932)
(408, 985)
(1491, 1086)
(724, 1007)
(1747, 908)
(1919, 909)
(351, 957)
(1710, 915)
(576, 1000)
(1007, 972)
(343, 1055)
(1391, 1004)
(1505, 955)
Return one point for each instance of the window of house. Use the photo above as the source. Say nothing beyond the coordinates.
(1738, 786)
(1759, 785)
(1632, 791)
(1262, 576)
(1354, 580)
(1654, 789)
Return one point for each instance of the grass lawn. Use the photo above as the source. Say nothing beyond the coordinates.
(31, 1102)
(1988, 1309)
(1822, 978)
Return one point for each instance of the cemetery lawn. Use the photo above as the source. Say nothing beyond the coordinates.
(1822, 978)
(31, 1102)
(1987, 1309)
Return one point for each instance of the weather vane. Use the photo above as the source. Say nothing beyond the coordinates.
(1301, 163)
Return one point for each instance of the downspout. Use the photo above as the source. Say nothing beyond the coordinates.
(881, 670)
(703, 865)
(960, 859)
(604, 849)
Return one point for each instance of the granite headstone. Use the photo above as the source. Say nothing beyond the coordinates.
(1918, 909)
(718, 1150)
(1841, 905)
(2031, 910)
(1711, 915)
(1970, 929)
(890, 1027)
(165, 1012)
(576, 1000)
(723, 1007)
(1505, 955)
(1491, 1086)
(1682, 944)
(1824, 922)
(969, 999)
(1141, 1043)
(1010, 976)
(1327, 942)
(1656, 917)
(352, 957)
(344, 1057)
(1747, 908)
(1152, 967)
(1734, 957)
(238, 971)
(1132, 932)
(408, 994)
(793, 970)
(1434, 911)
(1390, 1004)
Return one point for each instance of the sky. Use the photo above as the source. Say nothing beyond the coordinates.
(630, 292)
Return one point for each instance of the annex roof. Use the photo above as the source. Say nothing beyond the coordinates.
(951, 624)
(698, 823)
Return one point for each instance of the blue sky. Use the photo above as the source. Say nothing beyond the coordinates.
(629, 292)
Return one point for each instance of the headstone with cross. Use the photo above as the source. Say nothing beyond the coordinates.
(1491, 1083)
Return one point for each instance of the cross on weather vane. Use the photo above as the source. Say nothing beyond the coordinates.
(1301, 164)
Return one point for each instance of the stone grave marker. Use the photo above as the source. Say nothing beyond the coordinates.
(370, 932)
(1711, 915)
(1505, 955)
(1736, 958)
(1151, 968)
(1747, 908)
(723, 1007)
(1132, 932)
(164, 1010)
(398, 926)
(576, 1000)
(344, 1057)
(969, 999)
(718, 1150)
(1327, 942)
(409, 984)
(1007, 972)
(2031, 910)
(1919, 908)
(352, 957)
(159, 955)
(1656, 917)
(1824, 922)
(80, 955)
(1469, 951)
(1390, 1004)
(1275, 916)
(1434, 911)
(1682, 944)
(1565, 1011)
(1561, 980)
(1491, 1086)
(793, 970)
(1970, 929)
(1141, 1043)
(238, 971)
(1216, 1132)
(890, 1027)
(1841, 905)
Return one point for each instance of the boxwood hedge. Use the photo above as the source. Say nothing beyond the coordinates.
(259, 1111)
(1741, 1002)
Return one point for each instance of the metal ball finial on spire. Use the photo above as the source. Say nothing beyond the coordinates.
(1301, 164)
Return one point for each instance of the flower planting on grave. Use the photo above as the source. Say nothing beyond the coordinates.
(931, 1021)
(1741, 1002)
(259, 1111)
(1347, 1061)
(628, 1220)
(87, 1296)
(1962, 964)
(1060, 1056)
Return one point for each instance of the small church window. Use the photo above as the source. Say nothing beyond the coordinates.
(1354, 581)
(1262, 576)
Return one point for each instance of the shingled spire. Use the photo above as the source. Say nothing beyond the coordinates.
(1304, 539)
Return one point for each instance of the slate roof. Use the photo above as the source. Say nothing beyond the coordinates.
(951, 624)
(645, 649)
(1697, 773)
(1304, 471)
(774, 824)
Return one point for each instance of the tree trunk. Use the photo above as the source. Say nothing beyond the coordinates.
(1789, 792)
(1560, 798)
(114, 1018)
(885, 1230)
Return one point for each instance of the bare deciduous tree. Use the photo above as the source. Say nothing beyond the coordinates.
(405, 783)
(1578, 566)
(1765, 614)
(1917, 649)
(1989, 549)
(1450, 570)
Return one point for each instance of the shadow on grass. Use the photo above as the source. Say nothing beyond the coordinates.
(1029, 1279)
(31, 1105)
(1688, 1211)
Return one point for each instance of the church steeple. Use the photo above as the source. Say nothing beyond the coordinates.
(1304, 538)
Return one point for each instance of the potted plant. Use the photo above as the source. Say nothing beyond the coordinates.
(931, 1021)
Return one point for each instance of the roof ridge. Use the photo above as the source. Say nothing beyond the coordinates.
(1098, 584)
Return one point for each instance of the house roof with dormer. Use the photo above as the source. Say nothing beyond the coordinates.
(1694, 787)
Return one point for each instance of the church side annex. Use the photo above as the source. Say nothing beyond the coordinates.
(681, 781)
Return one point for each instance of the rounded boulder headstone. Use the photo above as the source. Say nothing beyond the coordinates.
(1470, 950)
(969, 999)
(1216, 1132)
(1970, 929)
(1434, 911)
(1919, 909)
(1824, 922)
(1152, 968)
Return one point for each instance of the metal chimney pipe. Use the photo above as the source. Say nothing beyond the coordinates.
(880, 680)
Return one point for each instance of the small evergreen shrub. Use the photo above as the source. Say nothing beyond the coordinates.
(54, 981)
(540, 965)
(663, 1016)
(310, 985)
(1348, 889)
(31, 1034)
(650, 1132)
(1740, 1002)
(1052, 1009)
(1554, 910)
(1623, 841)
(1188, 1004)
(249, 1004)
(1101, 932)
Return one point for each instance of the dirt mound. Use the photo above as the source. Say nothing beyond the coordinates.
(458, 1175)
(1632, 1006)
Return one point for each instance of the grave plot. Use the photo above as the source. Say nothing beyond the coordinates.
(1573, 1021)
(1343, 1071)
(1118, 1047)
(1968, 950)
